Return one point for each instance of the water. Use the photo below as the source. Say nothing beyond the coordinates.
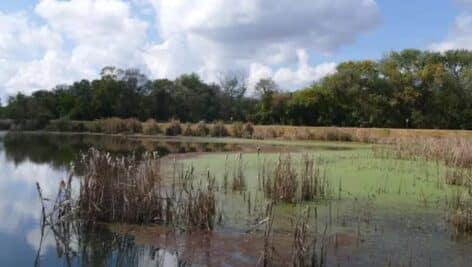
(380, 199)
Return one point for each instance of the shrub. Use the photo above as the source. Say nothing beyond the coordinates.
(201, 129)
(174, 128)
(218, 130)
(151, 127)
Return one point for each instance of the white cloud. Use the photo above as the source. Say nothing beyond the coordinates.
(63, 41)
(288, 78)
(460, 35)
(211, 36)
(77, 38)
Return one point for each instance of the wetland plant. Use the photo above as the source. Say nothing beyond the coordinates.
(201, 129)
(131, 190)
(218, 129)
(285, 184)
(461, 212)
(174, 128)
(239, 182)
(151, 127)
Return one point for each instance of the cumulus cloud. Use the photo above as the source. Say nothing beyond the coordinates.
(77, 38)
(235, 34)
(460, 35)
(288, 78)
(74, 39)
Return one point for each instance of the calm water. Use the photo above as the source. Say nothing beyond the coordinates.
(27, 159)
(391, 235)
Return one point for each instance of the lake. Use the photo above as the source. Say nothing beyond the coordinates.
(380, 212)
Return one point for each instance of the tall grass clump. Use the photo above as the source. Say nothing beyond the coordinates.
(248, 130)
(218, 129)
(201, 129)
(461, 212)
(313, 185)
(174, 128)
(118, 125)
(237, 129)
(284, 183)
(128, 190)
(121, 189)
(151, 127)
(239, 182)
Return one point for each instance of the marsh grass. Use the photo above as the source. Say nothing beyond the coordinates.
(283, 183)
(130, 190)
(174, 128)
(201, 129)
(117, 125)
(151, 127)
(308, 246)
(218, 129)
(461, 212)
(456, 155)
(239, 182)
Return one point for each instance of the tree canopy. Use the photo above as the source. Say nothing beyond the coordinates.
(406, 89)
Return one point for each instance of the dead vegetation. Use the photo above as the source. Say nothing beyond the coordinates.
(283, 183)
(130, 190)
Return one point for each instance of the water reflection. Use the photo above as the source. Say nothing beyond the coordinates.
(29, 158)
(59, 150)
(77, 245)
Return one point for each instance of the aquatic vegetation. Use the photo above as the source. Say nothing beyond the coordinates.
(284, 183)
(128, 190)
(239, 182)
(461, 212)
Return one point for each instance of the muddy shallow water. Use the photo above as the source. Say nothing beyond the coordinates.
(381, 212)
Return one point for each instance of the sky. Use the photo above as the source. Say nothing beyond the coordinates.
(44, 43)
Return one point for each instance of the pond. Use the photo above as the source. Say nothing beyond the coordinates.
(381, 212)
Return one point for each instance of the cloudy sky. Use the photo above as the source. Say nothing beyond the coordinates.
(49, 42)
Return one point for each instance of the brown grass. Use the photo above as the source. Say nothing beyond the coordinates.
(174, 128)
(283, 183)
(151, 127)
(128, 190)
(218, 129)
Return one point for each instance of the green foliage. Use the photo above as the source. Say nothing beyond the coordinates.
(406, 89)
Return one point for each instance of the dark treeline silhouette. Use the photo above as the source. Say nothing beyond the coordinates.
(407, 89)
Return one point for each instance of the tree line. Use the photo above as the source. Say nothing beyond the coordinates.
(406, 89)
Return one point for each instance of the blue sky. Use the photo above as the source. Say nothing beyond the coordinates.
(50, 42)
